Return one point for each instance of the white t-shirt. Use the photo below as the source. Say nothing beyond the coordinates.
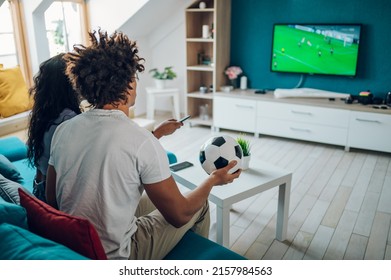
(102, 159)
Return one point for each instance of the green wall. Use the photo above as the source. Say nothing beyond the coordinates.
(251, 34)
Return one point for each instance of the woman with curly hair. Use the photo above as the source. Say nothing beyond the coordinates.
(101, 161)
(54, 102)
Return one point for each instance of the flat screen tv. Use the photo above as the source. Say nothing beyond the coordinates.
(328, 49)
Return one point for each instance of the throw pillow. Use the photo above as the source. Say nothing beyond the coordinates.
(12, 214)
(14, 97)
(9, 190)
(8, 170)
(76, 233)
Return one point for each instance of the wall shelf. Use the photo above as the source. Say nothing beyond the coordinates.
(198, 10)
(200, 95)
(200, 68)
(202, 40)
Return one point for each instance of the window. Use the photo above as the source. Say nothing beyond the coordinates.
(8, 52)
(64, 25)
(12, 40)
(64, 21)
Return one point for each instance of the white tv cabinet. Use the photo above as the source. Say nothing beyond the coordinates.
(310, 119)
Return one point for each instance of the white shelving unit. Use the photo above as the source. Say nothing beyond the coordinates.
(206, 72)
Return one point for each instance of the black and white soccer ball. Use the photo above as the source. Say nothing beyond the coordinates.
(218, 151)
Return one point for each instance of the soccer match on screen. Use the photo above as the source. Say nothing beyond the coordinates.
(315, 49)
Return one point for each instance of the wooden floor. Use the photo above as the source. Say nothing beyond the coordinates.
(340, 204)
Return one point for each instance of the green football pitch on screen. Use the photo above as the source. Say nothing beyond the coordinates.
(301, 51)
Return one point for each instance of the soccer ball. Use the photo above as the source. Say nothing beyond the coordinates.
(218, 151)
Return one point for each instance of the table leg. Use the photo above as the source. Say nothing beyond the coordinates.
(284, 192)
(150, 106)
(176, 111)
(222, 225)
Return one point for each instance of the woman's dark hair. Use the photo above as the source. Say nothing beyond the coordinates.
(52, 93)
(102, 72)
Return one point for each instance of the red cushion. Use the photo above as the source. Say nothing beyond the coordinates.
(76, 233)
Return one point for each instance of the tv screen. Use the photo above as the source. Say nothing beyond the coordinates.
(328, 49)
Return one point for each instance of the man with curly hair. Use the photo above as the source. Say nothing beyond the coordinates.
(101, 161)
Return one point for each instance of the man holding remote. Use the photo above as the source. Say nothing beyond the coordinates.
(168, 127)
(101, 161)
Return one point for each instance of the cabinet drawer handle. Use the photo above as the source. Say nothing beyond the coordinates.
(245, 106)
(366, 120)
(301, 112)
(300, 129)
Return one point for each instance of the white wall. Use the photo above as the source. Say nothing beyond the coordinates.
(158, 27)
(170, 51)
(109, 15)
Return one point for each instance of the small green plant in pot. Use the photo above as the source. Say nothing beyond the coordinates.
(246, 149)
(161, 76)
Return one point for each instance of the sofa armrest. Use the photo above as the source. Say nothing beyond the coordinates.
(13, 148)
(14, 123)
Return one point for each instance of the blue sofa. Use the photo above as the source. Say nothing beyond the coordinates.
(17, 242)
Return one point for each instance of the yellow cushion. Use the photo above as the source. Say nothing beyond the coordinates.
(14, 97)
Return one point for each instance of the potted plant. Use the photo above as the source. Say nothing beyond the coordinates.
(161, 76)
(246, 149)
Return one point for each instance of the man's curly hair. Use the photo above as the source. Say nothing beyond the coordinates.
(102, 72)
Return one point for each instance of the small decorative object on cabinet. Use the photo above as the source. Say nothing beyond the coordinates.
(246, 148)
(207, 57)
(205, 31)
(243, 83)
(162, 76)
(233, 73)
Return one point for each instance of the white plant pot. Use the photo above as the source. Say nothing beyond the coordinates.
(160, 84)
(246, 162)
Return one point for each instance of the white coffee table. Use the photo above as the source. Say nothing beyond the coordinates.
(260, 177)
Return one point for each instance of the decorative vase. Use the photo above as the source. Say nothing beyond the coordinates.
(160, 84)
(246, 162)
(234, 83)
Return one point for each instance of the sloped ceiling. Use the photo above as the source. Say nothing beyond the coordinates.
(152, 15)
